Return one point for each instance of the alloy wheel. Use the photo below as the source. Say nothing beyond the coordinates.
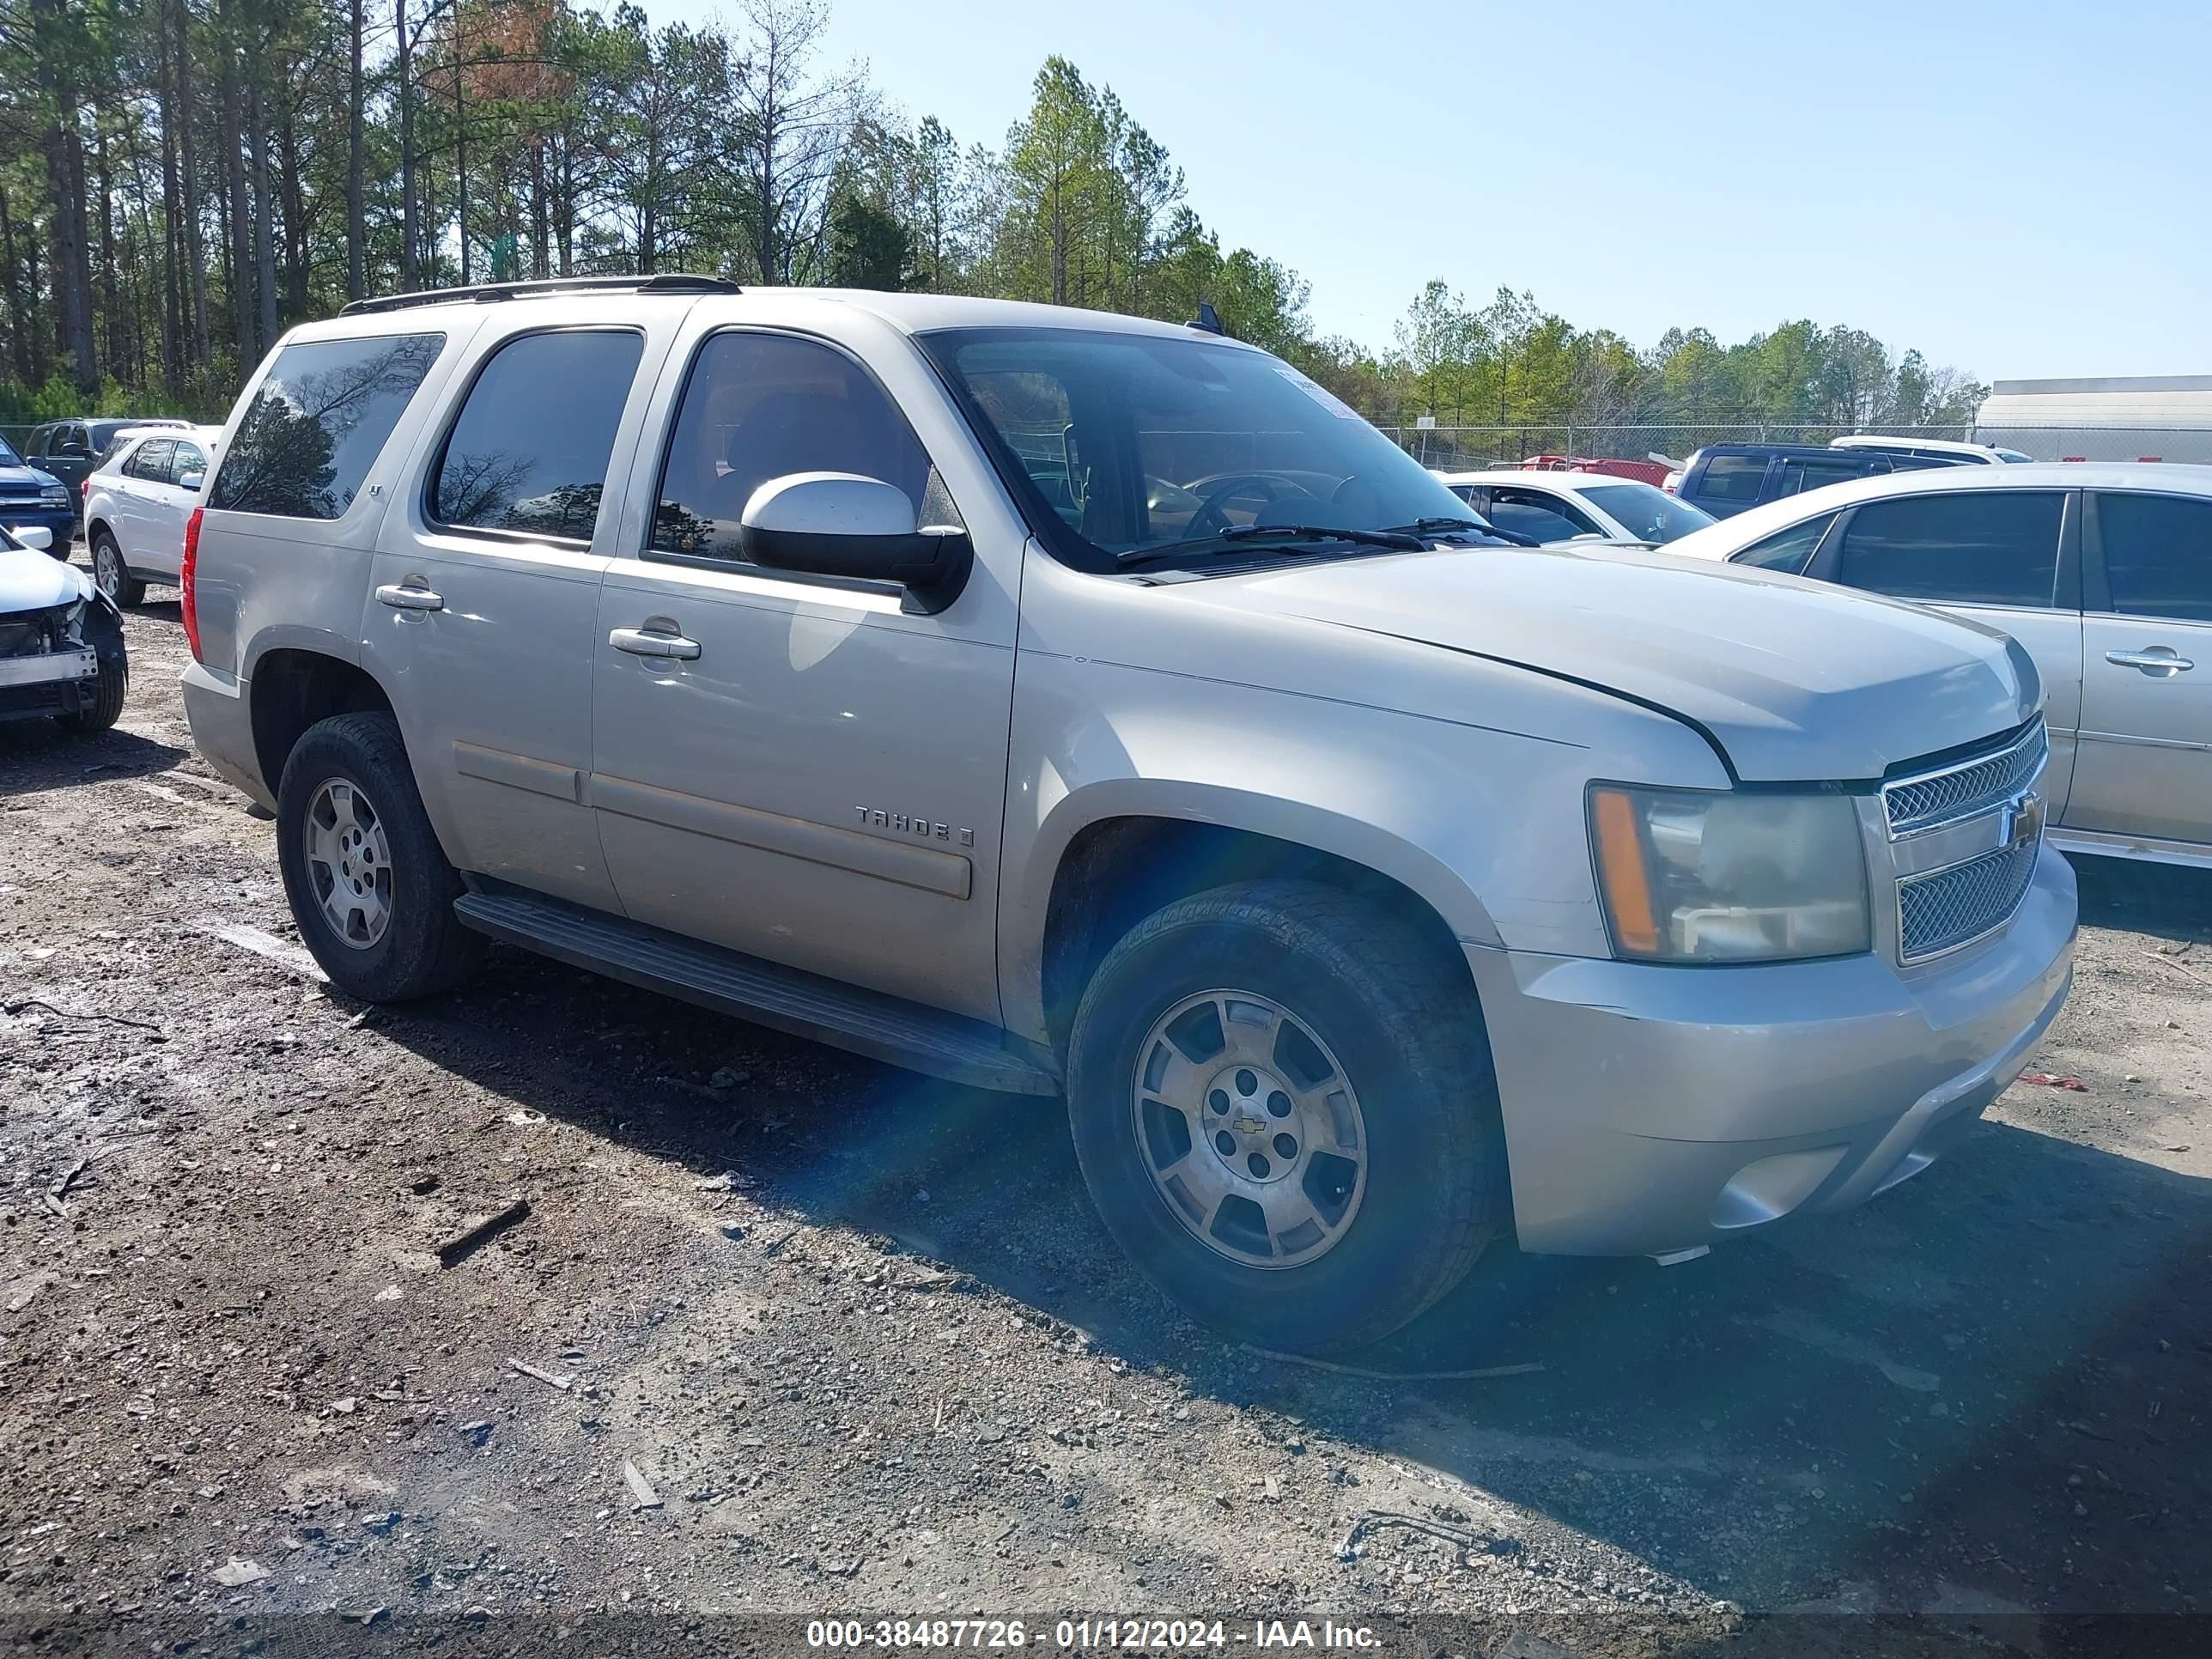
(349, 862)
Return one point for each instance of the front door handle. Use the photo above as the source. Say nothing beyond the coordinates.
(2159, 661)
(410, 596)
(651, 642)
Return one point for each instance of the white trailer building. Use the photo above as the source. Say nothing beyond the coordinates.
(2149, 417)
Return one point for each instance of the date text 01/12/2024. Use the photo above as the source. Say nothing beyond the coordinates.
(1110, 1634)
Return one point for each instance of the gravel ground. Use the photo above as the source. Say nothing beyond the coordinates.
(832, 1337)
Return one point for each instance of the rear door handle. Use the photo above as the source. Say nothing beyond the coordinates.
(650, 642)
(410, 596)
(2160, 660)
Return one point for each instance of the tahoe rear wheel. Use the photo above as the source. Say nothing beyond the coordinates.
(1283, 1104)
(368, 883)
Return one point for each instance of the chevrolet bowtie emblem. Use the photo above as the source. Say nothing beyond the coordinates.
(1250, 1125)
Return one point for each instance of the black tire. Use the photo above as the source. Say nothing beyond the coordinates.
(112, 575)
(105, 634)
(1400, 1016)
(423, 949)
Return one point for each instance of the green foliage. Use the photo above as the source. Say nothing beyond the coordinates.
(540, 137)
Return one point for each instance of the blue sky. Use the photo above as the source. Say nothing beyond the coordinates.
(2019, 189)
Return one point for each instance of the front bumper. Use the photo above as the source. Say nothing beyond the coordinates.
(1649, 1109)
(59, 521)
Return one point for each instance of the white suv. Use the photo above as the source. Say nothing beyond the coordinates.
(135, 506)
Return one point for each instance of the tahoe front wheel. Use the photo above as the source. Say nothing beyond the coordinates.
(1283, 1104)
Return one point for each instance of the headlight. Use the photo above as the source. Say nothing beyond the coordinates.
(54, 495)
(1694, 876)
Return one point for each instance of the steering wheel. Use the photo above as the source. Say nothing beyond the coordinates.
(1210, 520)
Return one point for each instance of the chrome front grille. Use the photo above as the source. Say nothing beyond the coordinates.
(1950, 908)
(1976, 784)
(1963, 840)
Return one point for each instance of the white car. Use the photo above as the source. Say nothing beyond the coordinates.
(2101, 573)
(1937, 449)
(1569, 506)
(136, 505)
(62, 655)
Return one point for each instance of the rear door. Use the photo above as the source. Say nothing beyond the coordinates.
(2007, 558)
(484, 590)
(2146, 764)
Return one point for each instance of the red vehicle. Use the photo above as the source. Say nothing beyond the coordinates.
(1651, 472)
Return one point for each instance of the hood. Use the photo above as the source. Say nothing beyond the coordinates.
(31, 581)
(1792, 680)
(26, 477)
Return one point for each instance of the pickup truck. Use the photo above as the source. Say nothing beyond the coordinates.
(1077, 706)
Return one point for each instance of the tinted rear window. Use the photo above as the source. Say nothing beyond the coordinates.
(317, 424)
(1733, 478)
(529, 452)
(1978, 547)
(2158, 555)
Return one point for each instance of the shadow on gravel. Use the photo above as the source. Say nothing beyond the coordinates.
(2165, 899)
(1984, 1391)
(39, 755)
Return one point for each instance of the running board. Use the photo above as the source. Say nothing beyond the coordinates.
(871, 1023)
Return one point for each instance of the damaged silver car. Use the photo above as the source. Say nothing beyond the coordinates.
(61, 642)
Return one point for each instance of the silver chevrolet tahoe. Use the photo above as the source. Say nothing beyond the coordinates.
(1066, 704)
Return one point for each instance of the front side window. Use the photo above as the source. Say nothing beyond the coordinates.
(318, 422)
(762, 406)
(528, 453)
(1648, 513)
(1786, 549)
(150, 460)
(2158, 555)
(1733, 478)
(1977, 547)
(188, 459)
(1138, 444)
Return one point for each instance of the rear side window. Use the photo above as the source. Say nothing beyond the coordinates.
(1978, 547)
(1798, 476)
(529, 452)
(1733, 478)
(1786, 549)
(317, 424)
(762, 406)
(2158, 555)
(150, 460)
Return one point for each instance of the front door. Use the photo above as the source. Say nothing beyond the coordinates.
(805, 771)
(2146, 764)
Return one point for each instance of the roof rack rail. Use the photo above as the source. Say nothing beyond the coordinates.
(488, 292)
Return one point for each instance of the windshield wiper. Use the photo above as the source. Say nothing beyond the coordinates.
(1481, 527)
(1403, 541)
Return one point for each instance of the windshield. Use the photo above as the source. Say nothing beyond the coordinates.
(8, 457)
(1135, 442)
(1648, 514)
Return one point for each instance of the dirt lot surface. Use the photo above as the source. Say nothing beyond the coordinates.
(811, 1334)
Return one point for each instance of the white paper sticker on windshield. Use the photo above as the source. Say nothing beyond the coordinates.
(1320, 394)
